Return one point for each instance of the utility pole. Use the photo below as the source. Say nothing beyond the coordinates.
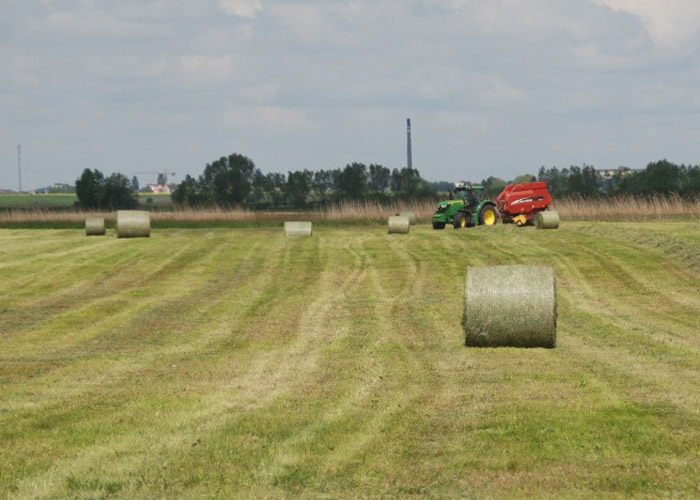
(19, 165)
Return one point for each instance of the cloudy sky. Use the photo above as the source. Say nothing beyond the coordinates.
(493, 87)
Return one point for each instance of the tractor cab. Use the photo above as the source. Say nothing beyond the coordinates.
(471, 195)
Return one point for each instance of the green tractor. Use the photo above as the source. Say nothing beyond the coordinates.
(468, 208)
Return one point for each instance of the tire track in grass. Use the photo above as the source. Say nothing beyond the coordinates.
(382, 397)
(105, 309)
(47, 305)
(185, 327)
(646, 318)
(214, 409)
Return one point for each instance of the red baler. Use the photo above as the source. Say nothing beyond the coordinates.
(519, 203)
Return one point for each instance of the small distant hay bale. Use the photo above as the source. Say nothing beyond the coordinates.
(398, 224)
(548, 219)
(510, 306)
(133, 224)
(298, 228)
(95, 226)
(411, 217)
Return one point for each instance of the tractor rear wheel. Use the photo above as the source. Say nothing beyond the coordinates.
(438, 225)
(460, 220)
(488, 215)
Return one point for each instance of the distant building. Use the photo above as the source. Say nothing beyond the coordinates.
(607, 173)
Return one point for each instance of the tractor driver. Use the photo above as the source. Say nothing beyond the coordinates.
(469, 198)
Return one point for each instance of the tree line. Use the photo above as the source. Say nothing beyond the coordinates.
(660, 177)
(234, 180)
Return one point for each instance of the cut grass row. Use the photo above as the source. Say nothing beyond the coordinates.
(223, 363)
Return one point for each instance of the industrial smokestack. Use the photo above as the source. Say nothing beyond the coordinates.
(409, 153)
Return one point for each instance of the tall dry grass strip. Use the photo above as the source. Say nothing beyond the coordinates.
(398, 224)
(510, 306)
(133, 224)
(411, 216)
(633, 208)
(298, 228)
(548, 219)
(95, 226)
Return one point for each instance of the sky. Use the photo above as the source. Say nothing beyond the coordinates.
(492, 87)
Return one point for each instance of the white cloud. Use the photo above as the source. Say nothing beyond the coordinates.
(88, 21)
(267, 118)
(323, 23)
(672, 24)
(208, 69)
(261, 92)
(241, 8)
(498, 93)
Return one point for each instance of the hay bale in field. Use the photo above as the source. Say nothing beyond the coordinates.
(133, 224)
(399, 224)
(298, 228)
(548, 219)
(510, 306)
(411, 217)
(95, 226)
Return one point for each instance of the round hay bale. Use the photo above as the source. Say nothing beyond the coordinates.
(133, 224)
(411, 217)
(95, 226)
(510, 306)
(399, 224)
(548, 219)
(299, 228)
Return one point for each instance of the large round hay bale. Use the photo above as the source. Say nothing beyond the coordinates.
(398, 224)
(95, 226)
(411, 217)
(510, 306)
(548, 219)
(298, 228)
(133, 224)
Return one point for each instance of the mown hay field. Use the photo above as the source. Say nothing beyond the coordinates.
(239, 363)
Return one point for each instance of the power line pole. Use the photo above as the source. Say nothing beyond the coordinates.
(19, 165)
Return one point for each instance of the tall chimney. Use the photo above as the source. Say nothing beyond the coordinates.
(409, 154)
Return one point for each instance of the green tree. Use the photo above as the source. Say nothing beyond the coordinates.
(96, 192)
(379, 178)
(275, 186)
(189, 192)
(352, 180)
(407, 183)
(493, 186)
(117, 193)
(661, 177)
(524, 178)
(298, 187)
(323, 184)
(135, 184)
(88, 188)
(228, 180)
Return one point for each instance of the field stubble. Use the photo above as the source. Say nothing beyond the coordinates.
(215, 363)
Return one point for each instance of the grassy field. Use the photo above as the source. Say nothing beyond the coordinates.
(27, 201)
(61, 201)
(239, 363)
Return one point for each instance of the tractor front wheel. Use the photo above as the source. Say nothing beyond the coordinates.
(460, 220)
(438, 225)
